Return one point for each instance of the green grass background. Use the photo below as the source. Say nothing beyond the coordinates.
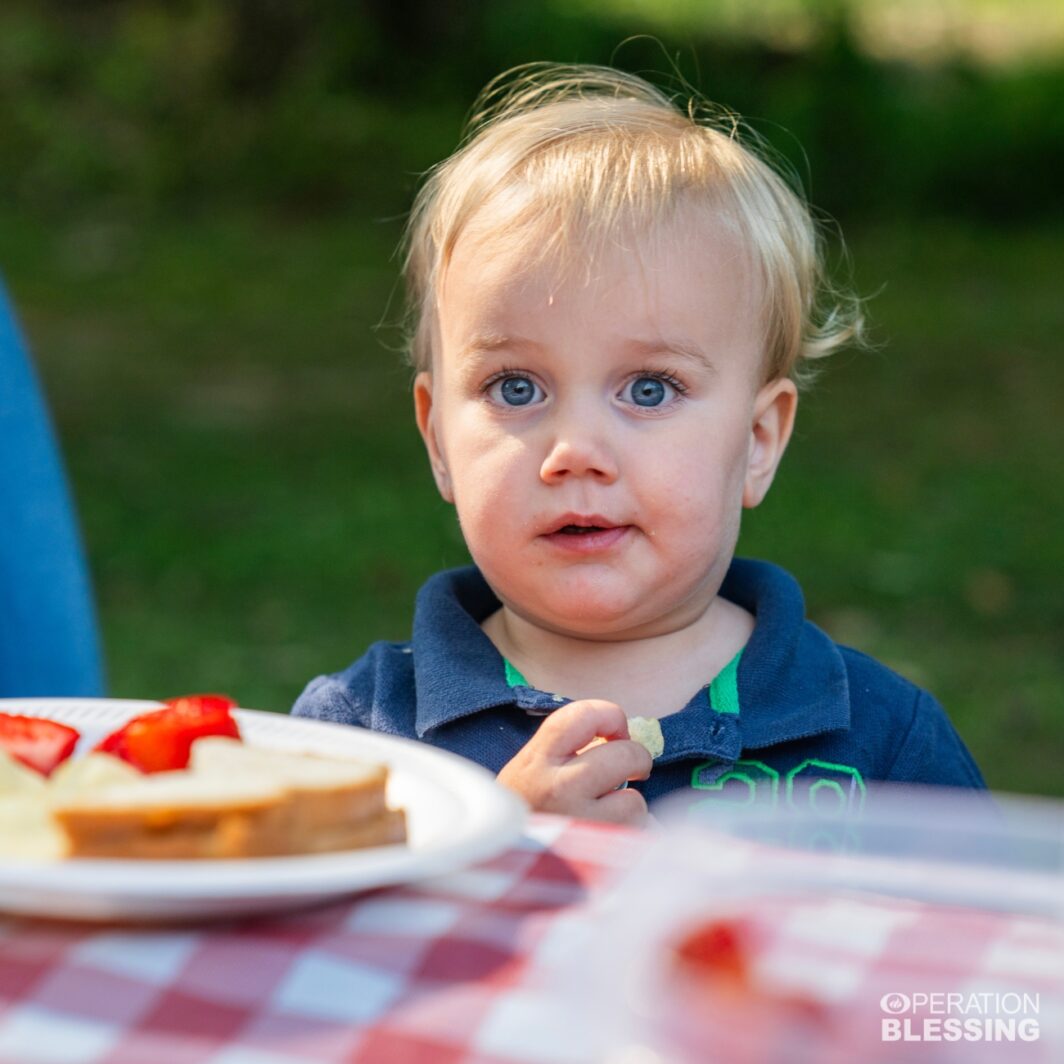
(257, 508)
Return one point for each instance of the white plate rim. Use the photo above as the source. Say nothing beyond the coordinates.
(493, 819)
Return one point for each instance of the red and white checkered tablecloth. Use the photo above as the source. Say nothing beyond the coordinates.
(457, 968)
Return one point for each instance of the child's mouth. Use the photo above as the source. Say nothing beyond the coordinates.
(586, 538)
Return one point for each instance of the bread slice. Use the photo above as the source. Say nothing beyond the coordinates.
(174, 815)
(387, 828)
(234, 801)
(322, 791)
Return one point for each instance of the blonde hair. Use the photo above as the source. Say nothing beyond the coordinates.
(593, 150)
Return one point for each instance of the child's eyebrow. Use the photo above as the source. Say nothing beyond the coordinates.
(488, 343)
(483, 345)
(674, 346)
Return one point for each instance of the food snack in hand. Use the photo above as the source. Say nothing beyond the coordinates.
(644, 730)
(647, 732)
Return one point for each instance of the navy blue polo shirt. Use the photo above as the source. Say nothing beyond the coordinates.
(793, 714)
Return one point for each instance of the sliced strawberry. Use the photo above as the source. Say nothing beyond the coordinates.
(719, 955)
(201, 703)
(718, 948)
(41, 744)
(160, 740)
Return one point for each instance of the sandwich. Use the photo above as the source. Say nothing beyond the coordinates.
(232, 801)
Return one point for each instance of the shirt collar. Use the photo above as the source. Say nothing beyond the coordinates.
(792, 680)
(457, 670)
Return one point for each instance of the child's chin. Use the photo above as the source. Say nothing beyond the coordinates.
(592, 615)
(584, 607)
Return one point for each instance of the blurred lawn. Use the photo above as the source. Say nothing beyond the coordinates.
(258, 510)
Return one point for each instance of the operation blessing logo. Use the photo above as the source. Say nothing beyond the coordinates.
(956, 1017)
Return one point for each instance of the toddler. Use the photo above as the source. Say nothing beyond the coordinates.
(613, 301)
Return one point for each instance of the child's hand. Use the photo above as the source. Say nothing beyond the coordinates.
(554, 772)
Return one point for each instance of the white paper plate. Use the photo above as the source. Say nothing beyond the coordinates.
(456, 814)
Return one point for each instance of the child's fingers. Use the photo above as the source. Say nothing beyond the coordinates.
(576, 786)
(573, 726)
(608, 766)
(553, 777)
(621, 807)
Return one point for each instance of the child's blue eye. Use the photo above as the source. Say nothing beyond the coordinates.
(514, 391)
(649, 391)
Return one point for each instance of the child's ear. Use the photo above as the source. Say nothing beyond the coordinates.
(426, 423)
(774, 410)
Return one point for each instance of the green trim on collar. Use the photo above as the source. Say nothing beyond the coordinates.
(513, 677)
(723, 692)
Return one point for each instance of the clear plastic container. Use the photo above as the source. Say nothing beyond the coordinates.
(917, 925)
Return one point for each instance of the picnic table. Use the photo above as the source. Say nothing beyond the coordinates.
(483, 965)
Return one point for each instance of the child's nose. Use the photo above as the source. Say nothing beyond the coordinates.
(579, 449)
